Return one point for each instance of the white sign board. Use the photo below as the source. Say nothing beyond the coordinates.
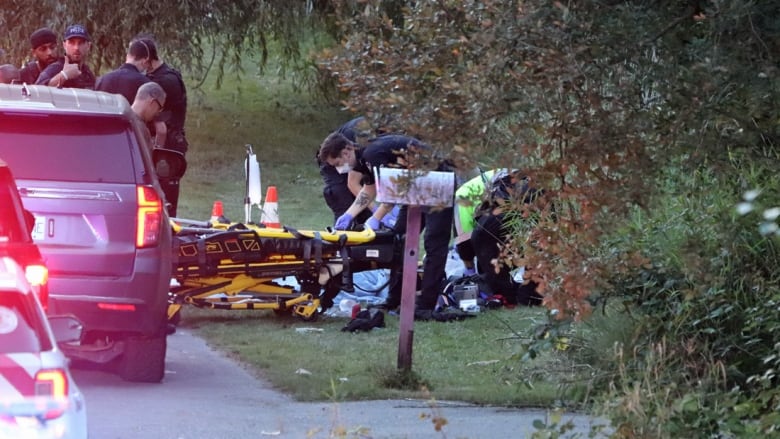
(415, 188)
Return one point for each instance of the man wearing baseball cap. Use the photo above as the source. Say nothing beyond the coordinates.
(44, 50)
(71, 71)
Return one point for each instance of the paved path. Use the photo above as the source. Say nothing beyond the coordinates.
(206, 396)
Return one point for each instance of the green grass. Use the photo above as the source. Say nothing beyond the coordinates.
(475, 360)
(285, 130)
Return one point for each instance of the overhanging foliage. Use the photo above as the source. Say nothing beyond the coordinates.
(197, 35)
(589, 98)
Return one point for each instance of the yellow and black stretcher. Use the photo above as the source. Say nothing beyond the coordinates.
(236, 266)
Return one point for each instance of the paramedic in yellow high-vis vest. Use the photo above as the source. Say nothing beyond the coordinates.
(468, 197)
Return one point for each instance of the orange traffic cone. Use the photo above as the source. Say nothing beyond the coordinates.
(270, 216)
(216, 212)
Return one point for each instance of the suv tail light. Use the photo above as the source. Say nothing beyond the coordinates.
(150, 217)
(38, 277)
(52, 383)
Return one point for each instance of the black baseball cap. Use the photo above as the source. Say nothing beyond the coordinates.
(76, 31)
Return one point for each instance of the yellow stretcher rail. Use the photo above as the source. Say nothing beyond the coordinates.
(235, 266)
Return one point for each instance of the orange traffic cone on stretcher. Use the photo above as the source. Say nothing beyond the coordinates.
(270, 216)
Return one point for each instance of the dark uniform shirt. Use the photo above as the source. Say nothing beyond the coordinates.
(29, 73)
(85, 80)
(349, 129)
(384, 151)
(362, 166)
(124, 81)
(330, 176)
(175, 110)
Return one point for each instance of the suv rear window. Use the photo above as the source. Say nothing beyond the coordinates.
(67, 147)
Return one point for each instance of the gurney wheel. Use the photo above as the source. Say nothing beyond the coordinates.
(310, 318)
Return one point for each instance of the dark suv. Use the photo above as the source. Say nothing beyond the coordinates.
(84, 168)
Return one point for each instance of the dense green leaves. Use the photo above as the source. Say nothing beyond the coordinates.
(525, 85)
(664, 111)
(197, 34)
(589, 98)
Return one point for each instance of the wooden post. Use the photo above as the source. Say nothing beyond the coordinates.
(409, 288)
(421, 189)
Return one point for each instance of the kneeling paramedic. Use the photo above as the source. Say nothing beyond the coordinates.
(491, 232)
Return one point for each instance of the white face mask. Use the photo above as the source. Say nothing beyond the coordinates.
(343, 169)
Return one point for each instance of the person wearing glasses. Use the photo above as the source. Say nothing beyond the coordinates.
(71, 71)
(149, 102)
(129, 76)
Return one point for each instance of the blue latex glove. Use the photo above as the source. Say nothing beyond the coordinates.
(373, 223)
(343, 222)
(392, 217)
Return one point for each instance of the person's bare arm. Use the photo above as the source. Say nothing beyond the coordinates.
(362, 200)
(355, 182)
(160, 134)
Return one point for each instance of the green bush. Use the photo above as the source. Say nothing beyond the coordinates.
(690, 343)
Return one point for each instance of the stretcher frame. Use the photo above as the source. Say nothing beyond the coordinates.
(235, 266)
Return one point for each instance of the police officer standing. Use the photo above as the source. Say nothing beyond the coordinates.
(129, 77)
(71, 71)
(170, 131)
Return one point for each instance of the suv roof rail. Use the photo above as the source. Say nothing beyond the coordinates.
(66, 99)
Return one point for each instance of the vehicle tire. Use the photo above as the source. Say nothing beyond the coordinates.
(143, 359)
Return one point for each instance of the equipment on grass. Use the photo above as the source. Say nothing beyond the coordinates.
(239, 266)
(223, 265)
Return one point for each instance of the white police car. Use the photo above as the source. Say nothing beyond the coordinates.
(38, 397)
